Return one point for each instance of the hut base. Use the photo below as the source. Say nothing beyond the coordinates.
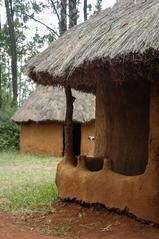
(116, 191)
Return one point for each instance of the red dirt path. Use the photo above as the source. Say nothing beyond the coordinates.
(11, 229)
(85, 223)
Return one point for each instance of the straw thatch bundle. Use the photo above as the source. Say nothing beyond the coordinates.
(48, 103)
(120, 40)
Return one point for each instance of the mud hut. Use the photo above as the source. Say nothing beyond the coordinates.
(116, 57)
(42, 122)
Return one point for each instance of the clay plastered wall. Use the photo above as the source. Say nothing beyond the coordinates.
(42, 138)
(122, 124)
(87, 146)
(138, 195)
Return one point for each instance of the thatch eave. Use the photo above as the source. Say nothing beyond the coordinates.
(137, 64)
(126, 34)
(19, 122)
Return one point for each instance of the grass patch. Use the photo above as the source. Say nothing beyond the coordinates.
(27, 183)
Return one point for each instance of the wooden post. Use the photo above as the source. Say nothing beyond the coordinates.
(69, 125)
(68, 154)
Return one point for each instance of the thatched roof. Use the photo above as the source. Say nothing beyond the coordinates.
(120, 40)
(48, 103)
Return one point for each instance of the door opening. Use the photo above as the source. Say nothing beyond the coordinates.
(76, 138)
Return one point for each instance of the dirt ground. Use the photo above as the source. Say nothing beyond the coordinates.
(73, 221)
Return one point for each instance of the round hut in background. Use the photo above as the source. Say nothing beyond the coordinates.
(117, 58)
(42, 117)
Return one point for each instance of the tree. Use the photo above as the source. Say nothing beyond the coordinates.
(0, 72)
(28, 9)
(69, 98)
(85, 10)
(63, 17)
(13, 48)
(72, 13)
(20, 48)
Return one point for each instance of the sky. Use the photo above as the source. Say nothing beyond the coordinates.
(53, 20)
(105, 4)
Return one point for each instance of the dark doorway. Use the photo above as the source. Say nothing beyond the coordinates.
(76, 138)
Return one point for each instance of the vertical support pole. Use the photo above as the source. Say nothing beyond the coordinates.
(69, 125)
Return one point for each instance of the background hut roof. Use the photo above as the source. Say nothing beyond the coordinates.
(125, 33)
(48, 103)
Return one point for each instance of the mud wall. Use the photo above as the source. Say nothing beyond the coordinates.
(122, 125)
(87, 146)
(42, 138)
(154, 127)
(137, 195)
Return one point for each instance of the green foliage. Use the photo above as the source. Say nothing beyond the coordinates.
(9, 131)
(89, 7)
(30, 7)
(26, 47)
(98, 5)
(32, 47)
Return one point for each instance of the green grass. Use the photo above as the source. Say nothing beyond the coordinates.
(26, 183)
